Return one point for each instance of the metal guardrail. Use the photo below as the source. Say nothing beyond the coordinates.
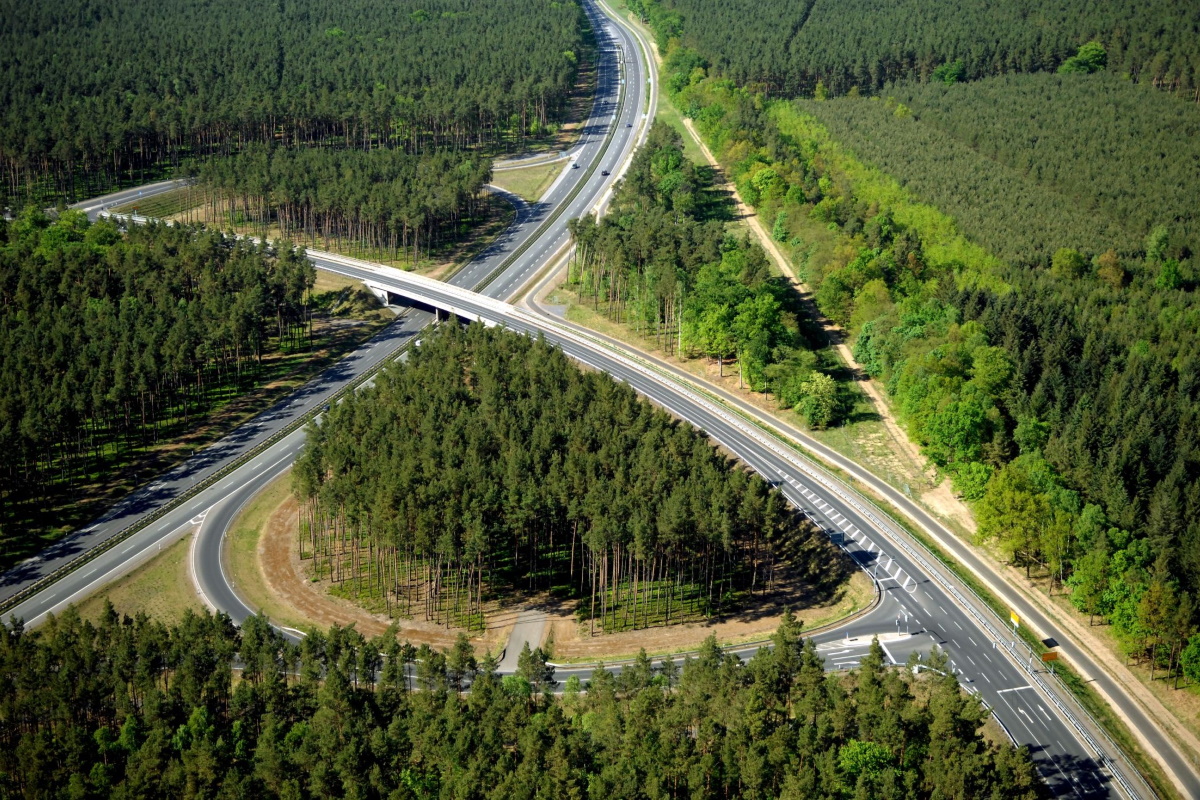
(988, 620)
(202, 485)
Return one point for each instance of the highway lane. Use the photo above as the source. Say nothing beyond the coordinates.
(1050, 759)
(97, 205)
(629, 122)
(525, 235)
(938, 611)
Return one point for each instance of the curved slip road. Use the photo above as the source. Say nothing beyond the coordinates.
(935, 611)
(605, 142)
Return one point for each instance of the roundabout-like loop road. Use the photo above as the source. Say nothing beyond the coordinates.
(918, 606)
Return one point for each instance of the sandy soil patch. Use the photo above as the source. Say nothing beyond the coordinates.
(295, 596)
(571, 641)
(286, 577)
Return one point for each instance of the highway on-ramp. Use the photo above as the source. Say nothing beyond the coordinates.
(920, 604)
(608, 136)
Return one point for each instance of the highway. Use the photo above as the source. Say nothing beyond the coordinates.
(920, 603)
(918, 598)
(607, 138)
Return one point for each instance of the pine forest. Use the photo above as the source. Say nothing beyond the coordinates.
(394, 203)
(489, 463)
(789, 47)
(129, 708)
(113, 340)
(83, 109)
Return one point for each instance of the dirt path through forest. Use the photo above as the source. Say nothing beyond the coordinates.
(944, 504)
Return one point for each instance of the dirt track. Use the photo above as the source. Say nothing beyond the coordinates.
(285, 576)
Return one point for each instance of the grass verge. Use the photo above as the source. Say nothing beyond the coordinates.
(161, 588)
(529, 183)
(241, 554)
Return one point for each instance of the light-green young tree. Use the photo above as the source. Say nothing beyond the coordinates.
(1089, 580)
(819, 400)
(1189, 659)
(1013, 513)
(1092, 57)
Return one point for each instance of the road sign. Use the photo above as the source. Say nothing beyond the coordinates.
(1012, 616)
(1051, 656)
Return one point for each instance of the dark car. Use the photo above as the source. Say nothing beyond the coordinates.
(628, 124)
(604, 172)
(574, 166)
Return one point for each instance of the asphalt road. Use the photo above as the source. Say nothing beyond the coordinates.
(529, 234)
(916, 598)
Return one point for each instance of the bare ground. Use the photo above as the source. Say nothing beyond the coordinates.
(286, 577)
(572, 641)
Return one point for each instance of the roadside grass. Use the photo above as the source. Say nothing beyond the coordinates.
(529, 183)
(864, 438)
(167, 204)
(345, 298)
(161, 588)
(667, 113)
(241, 559)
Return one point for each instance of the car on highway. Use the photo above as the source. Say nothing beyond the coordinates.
(604, 172)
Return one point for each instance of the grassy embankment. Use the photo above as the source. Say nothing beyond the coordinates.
(529, 183)
(161, 588)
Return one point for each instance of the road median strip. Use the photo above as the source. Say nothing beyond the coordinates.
(201, 486)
